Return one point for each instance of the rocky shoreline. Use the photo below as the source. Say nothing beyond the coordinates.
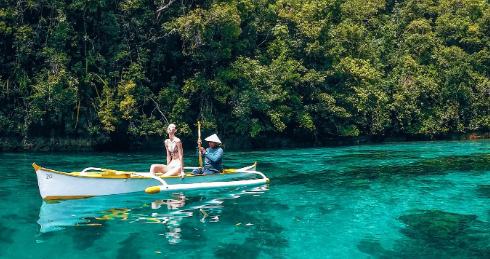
(53, 144)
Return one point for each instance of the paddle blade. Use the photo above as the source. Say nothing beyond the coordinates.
(199, 146)
(199, 129)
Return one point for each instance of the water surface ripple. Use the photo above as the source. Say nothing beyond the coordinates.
(396, 200)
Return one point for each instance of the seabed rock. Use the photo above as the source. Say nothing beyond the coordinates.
(435, 234)
(438, 227)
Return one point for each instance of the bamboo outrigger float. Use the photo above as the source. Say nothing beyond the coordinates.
(55, 185)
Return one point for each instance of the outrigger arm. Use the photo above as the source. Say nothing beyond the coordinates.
(156, 178)
(166, 187)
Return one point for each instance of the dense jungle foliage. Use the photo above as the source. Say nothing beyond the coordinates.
(121, 70)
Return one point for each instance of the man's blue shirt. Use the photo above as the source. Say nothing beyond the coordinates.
(213, 158)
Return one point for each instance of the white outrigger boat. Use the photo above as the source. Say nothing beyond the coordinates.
(56, 185)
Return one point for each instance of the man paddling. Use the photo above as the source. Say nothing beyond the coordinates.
(213, 157)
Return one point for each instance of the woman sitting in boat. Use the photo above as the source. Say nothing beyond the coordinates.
(175, 156)
(213, 156)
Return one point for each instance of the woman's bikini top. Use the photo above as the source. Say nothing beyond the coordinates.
(174, 150)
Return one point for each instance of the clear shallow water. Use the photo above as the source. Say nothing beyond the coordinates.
(402, 200)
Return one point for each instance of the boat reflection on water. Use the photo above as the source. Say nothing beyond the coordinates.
(164, 208)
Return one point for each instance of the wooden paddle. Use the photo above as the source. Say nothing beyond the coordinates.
(199, 145)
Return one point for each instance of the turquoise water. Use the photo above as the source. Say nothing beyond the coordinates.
(401, 200)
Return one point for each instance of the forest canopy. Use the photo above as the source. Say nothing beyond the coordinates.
(247, 69)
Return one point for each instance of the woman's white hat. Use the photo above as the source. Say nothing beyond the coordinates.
(213, 138)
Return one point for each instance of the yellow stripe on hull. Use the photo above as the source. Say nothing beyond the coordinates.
(114, 174)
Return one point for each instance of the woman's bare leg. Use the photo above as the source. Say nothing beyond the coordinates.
(173, 171)
(158, 168)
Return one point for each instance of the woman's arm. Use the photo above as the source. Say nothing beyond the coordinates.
(168, 153)
(181, 153)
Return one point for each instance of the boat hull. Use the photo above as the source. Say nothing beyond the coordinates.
(55, 185)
